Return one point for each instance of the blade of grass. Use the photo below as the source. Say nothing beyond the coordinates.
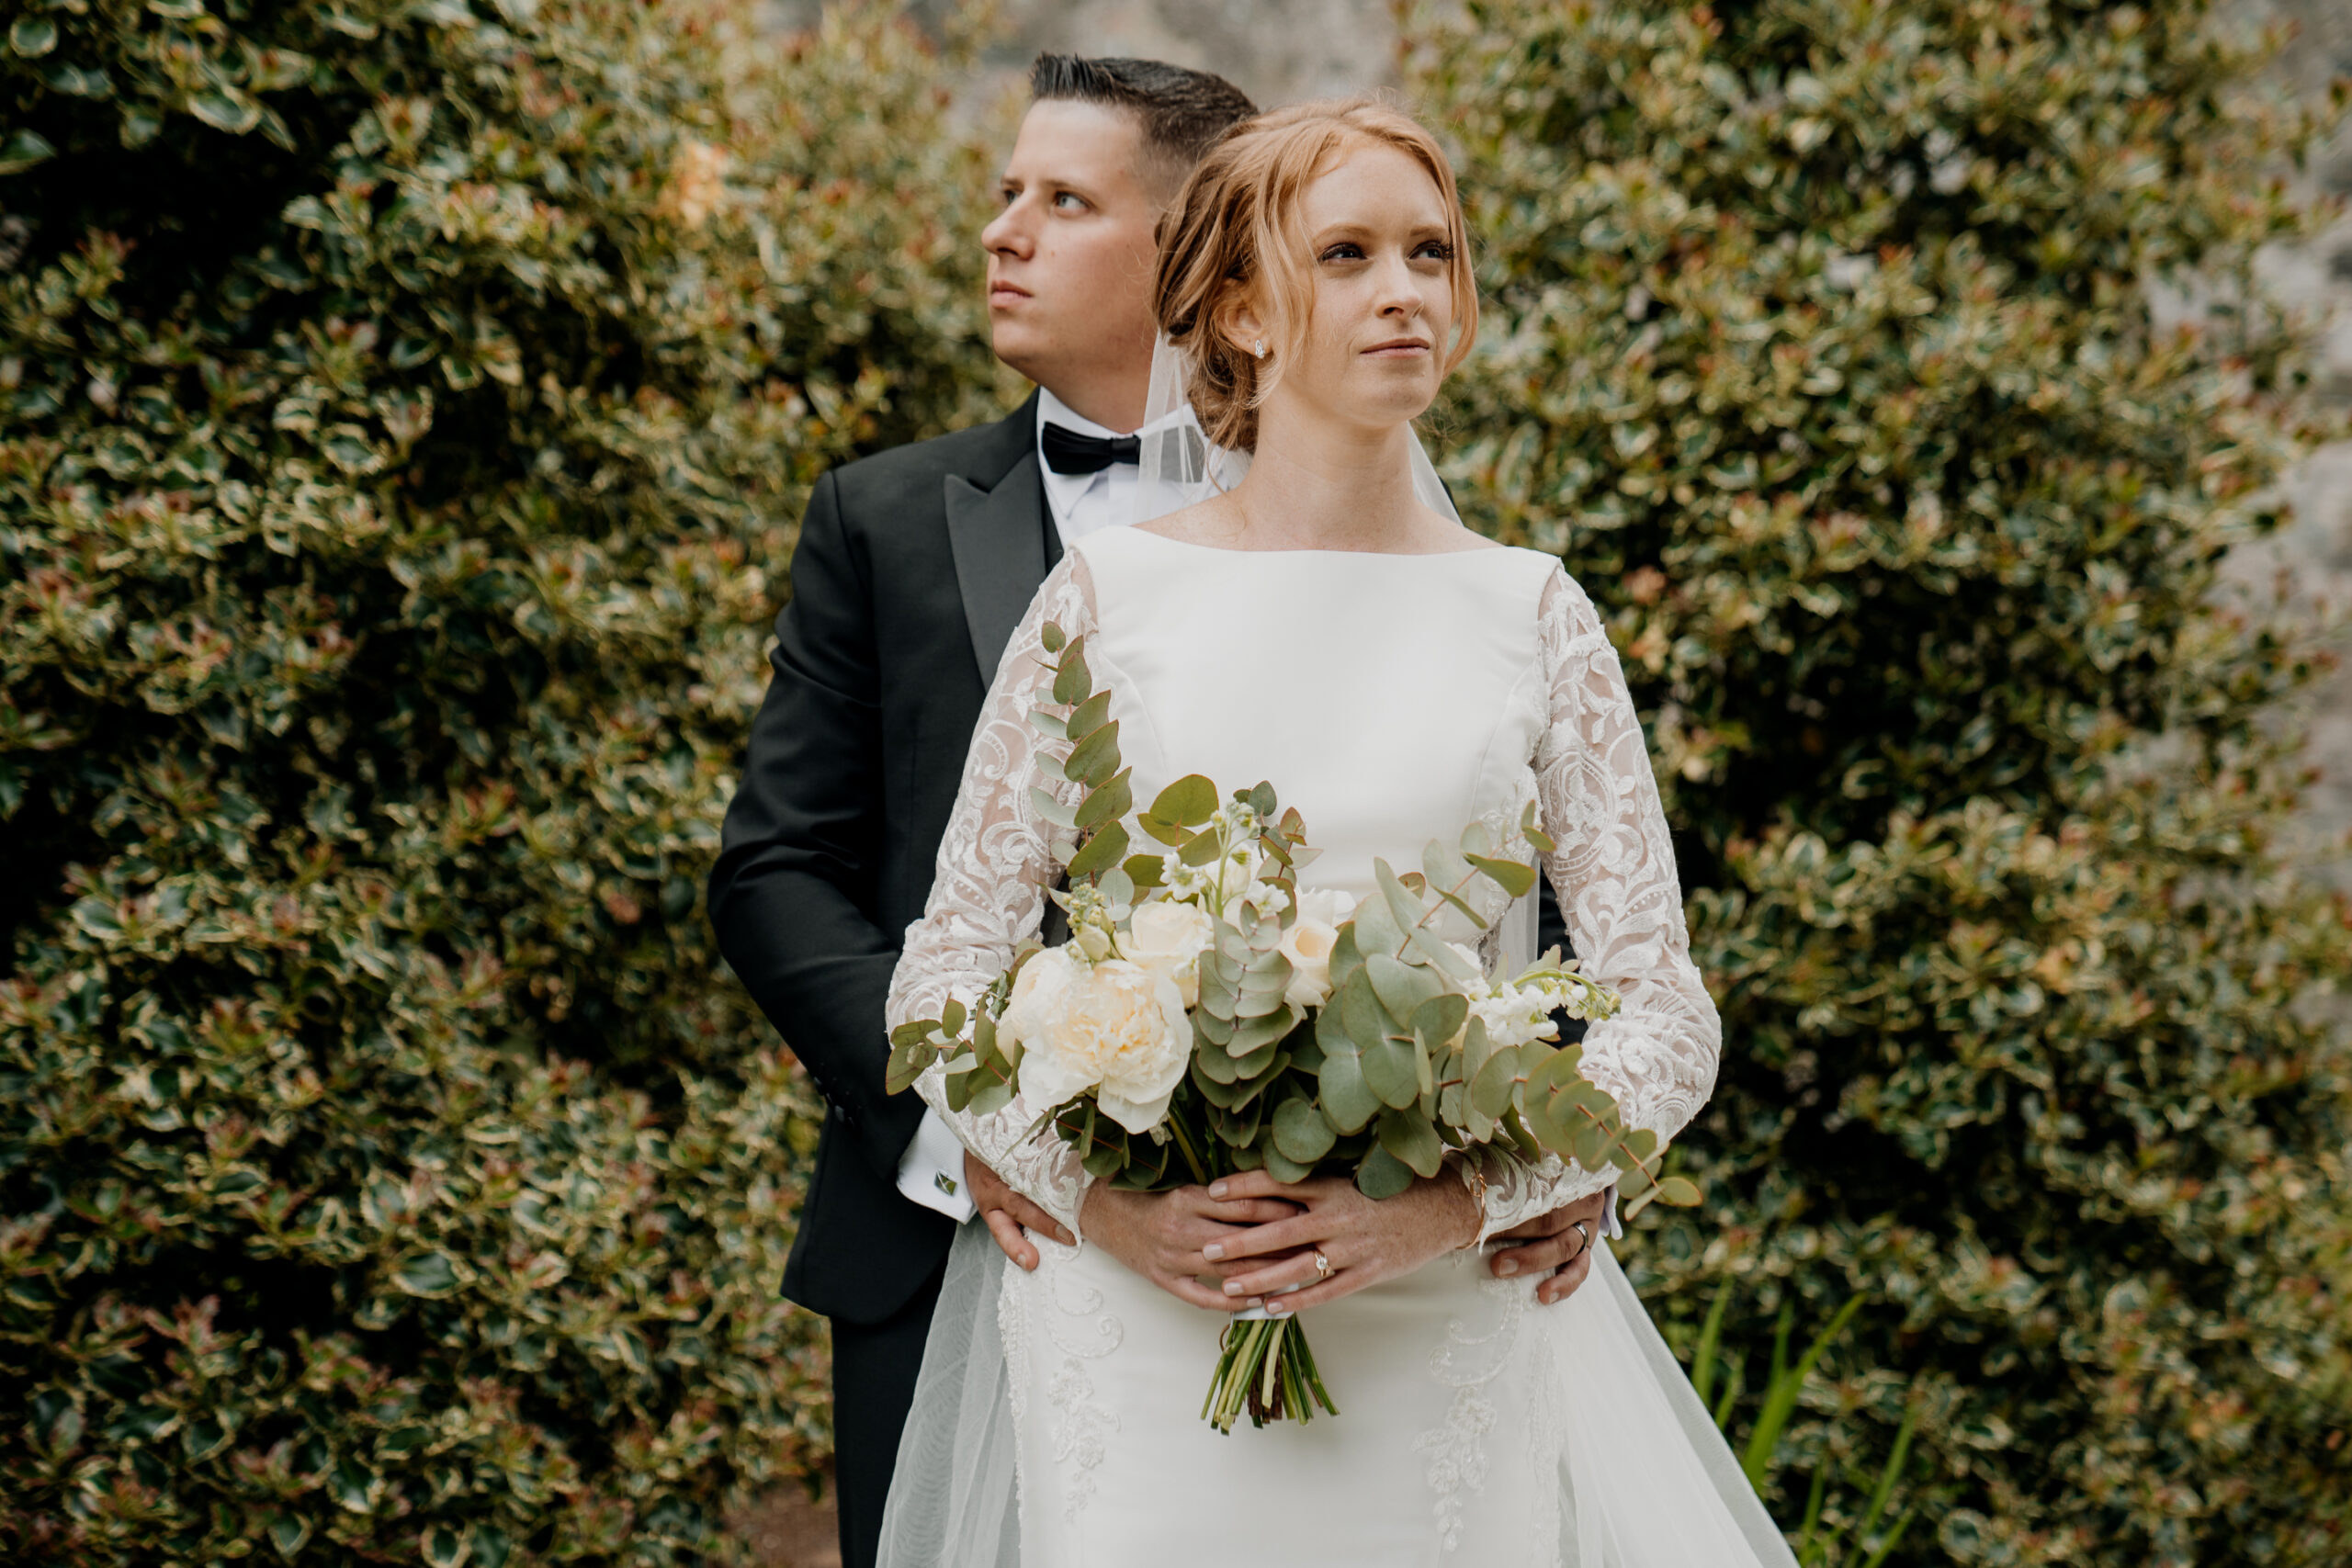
(1711, 1338)
(1781, 1397)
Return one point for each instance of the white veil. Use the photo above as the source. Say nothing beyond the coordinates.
(1179, 466)
(1646, 1479)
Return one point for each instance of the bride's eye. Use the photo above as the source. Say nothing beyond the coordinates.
(1344, 250)
(1437, 251)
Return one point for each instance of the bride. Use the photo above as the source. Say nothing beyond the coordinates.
(1317, 617)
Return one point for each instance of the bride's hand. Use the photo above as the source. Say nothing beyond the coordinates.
(1365, 1241)
(1161, 1235)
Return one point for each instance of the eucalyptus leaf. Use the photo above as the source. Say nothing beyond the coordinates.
(1390, 1071)
(1187, 802)
(1048, 725)
(1050, 806)
(1105, 804)
(1088, 715)
(1072, 682)
(1409, 1137)
(1301, 1133)
(1348, 1102)
(1282, 1169)
(1095, 760)
(1402, 987)
(1199, 849)
(1102, 852)
(1440, 1018)
(1382, 1175)
(1514, 877)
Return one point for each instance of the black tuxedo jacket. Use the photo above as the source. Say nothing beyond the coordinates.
(913, 567)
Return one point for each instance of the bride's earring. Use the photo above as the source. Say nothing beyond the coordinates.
(1259, 348)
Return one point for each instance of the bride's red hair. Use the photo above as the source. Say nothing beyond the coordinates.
(1235, 230)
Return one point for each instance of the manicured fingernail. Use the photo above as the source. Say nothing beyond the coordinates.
(1281, 1309)
(1216, 1189)
(1233, 1287)
(1213, 1251)
(1508, 1266)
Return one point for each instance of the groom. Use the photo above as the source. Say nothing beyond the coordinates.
(912, 570)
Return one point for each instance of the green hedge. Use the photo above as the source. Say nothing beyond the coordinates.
(404, 411)
(1820, 347)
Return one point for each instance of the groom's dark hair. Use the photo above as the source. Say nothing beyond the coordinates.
(1181, 113)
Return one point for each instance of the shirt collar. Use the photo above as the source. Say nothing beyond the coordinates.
(1065, 492)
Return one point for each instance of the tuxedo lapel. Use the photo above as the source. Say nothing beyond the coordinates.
(1001, 541)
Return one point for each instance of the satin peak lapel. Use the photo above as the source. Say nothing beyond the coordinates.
(999, 539)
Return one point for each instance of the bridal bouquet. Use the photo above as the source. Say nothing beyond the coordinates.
(1209, 1014)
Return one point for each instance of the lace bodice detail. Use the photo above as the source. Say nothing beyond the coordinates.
(1583, 761)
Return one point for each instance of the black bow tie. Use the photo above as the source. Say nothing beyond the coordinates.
(1068, 452)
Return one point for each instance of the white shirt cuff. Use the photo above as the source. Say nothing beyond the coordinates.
(931, 1170)
(1610, 1225)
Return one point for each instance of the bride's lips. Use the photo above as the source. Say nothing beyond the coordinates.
(1002, 293)
(1398, 348)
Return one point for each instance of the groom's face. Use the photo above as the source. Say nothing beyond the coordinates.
(1070, 256)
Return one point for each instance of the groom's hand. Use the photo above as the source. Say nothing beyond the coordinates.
(1009, 1215)
(1160, 1236)
(1552, 1242)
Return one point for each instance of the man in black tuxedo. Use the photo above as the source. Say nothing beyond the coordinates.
(912, 569)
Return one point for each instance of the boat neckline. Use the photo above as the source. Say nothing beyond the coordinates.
(1374, 555)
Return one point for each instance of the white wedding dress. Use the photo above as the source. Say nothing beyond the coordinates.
(1391, 699)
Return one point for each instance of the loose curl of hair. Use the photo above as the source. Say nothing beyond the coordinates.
(1236, 229)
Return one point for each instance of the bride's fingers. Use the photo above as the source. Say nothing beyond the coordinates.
(1184, 1288)
(1246, 1210)
(1259, 1184)
(1281, 1235)
(1007, 1231)
(1278, 1276)
(1034, 1218)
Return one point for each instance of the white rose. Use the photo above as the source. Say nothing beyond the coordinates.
(1170, 938)
(1307, 945)
(1115, 1027)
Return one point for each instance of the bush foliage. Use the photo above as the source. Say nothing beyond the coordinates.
(399, 405)
(1822, 349)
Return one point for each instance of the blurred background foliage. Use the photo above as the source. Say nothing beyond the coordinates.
(1822, 349)
(404, 412)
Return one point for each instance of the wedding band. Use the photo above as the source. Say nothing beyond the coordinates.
(1584, 1231)
(1322, 1267)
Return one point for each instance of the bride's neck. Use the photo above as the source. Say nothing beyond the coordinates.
(1323, 485)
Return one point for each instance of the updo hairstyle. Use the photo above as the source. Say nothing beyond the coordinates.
(1236, 228)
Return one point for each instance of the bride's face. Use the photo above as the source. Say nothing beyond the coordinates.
(1380, 250)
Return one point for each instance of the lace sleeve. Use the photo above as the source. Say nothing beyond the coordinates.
(989, 894)
(1614, 871)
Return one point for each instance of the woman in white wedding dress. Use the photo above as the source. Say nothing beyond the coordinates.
(1320, 620)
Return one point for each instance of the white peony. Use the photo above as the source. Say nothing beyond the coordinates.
(1116, 1028)
(1170, 938)
(1328, 904)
